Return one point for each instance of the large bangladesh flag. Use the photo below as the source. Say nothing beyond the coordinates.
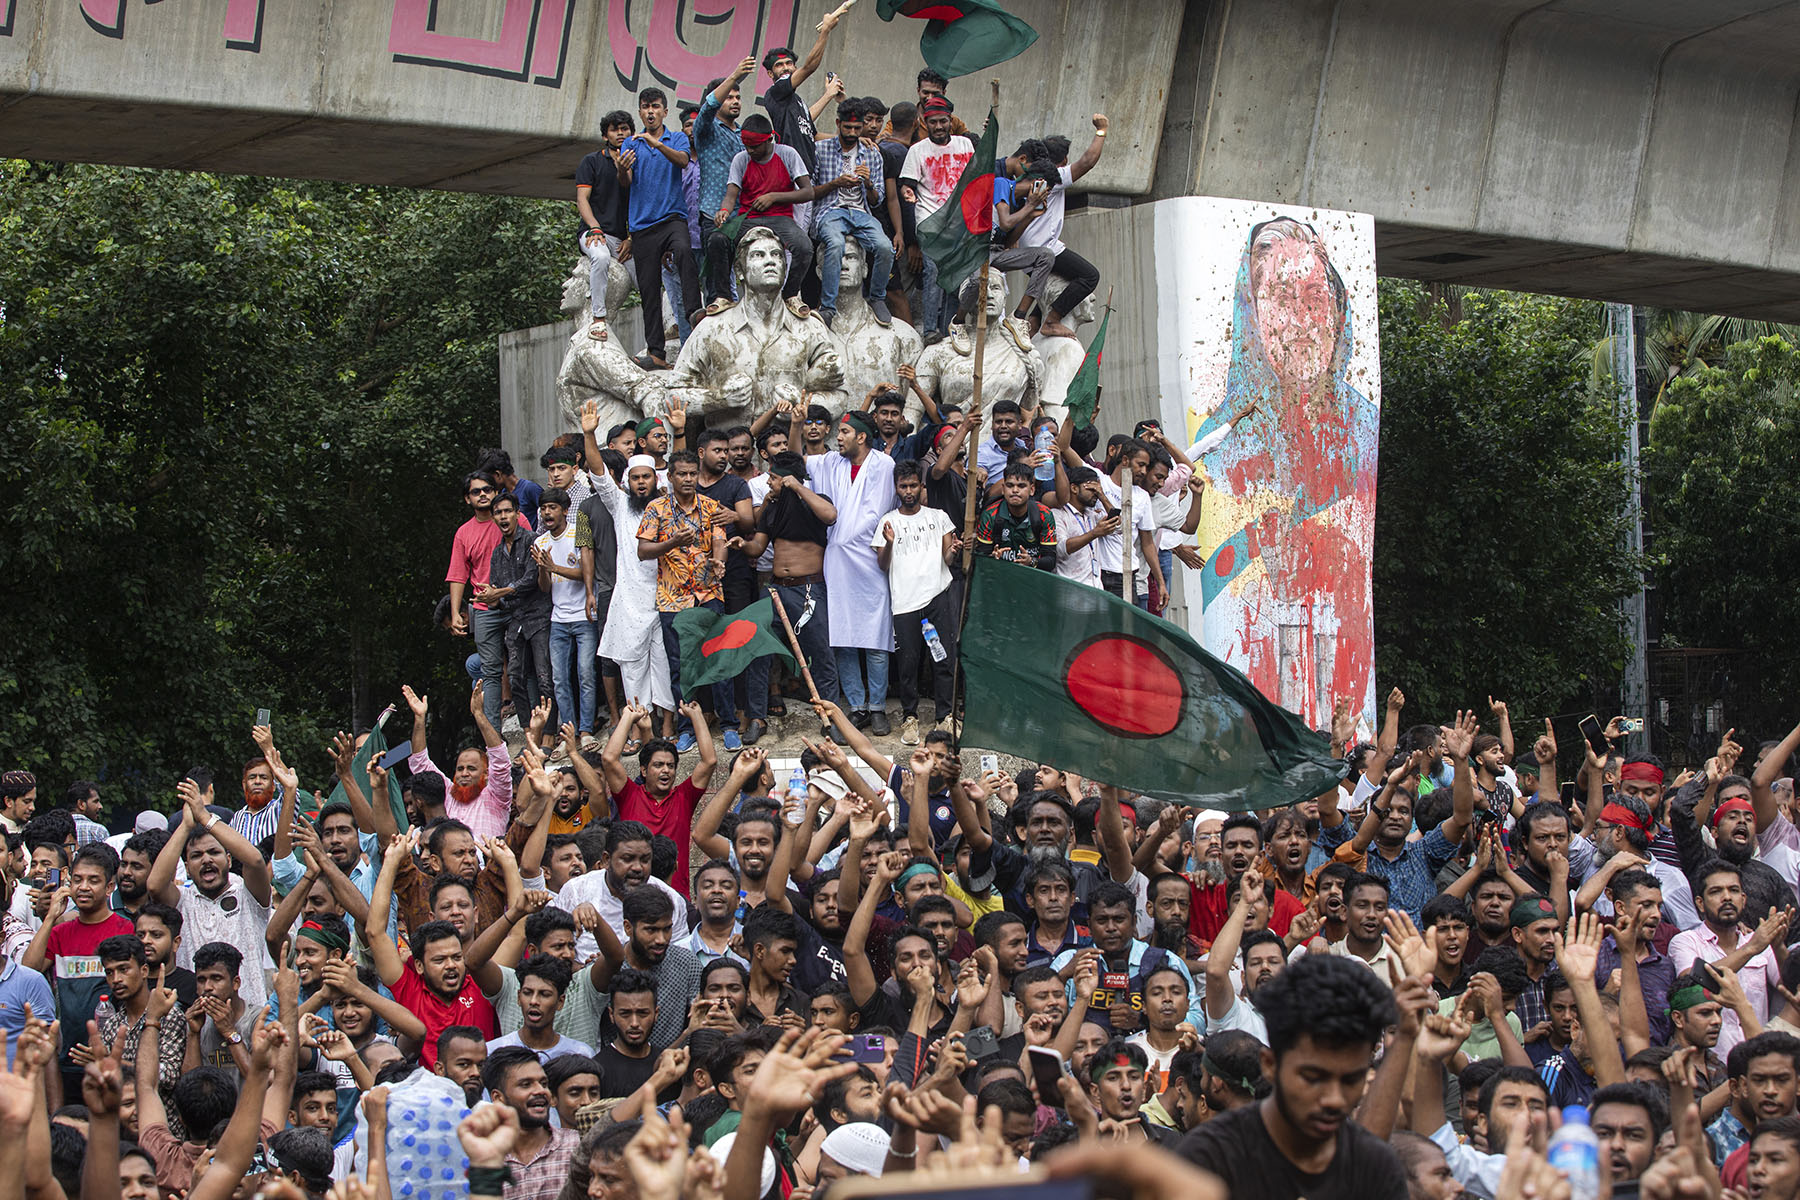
(1067, 674)
(963, 36)
(718, 646)
(956, 236)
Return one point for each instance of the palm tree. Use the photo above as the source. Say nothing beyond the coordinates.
(1677, 344)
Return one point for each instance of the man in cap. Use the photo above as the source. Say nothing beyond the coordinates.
(653, 439)
(858, 1148)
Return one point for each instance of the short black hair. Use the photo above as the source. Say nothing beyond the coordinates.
(547, 967)
(222, 954)
(123, 947)
(927, 75)
(1330, 999)
(169, 915)
(565, 1067)
(646, 902)
(459, 1033)
(1527, 1075)
(1502, 962)
(204, 1097)
(1654, 1101)
(621, 832)
(618, 118)
(501, 1062)
(653, 95)
(632, 982)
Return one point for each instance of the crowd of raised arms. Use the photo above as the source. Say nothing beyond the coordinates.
(592, 959)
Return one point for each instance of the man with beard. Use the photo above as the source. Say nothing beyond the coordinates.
(1325, 1019)
(1510, 1093)
(471, 556)
(343, 850)
(480, 793)
(1329, 905)
(130, 890)
(1637, 903)
(650, 949)
(628, 1059)
(572, 810)
(861, 482)
(215, 905)
(716, 900)
(1491, 901)
(1049, 827)
(158, 927)
(1410, 867)
(1168, 900)
(1628, 1120)
(540, 1156)
(1125, 962)
(1535, 926)
(1229, 1074)
(1622, 843)
(432, 981)
(1241, 848)
(788, 113)
(260, 814)
(598, 895)
(461, 1053)
(1263, 958)
(451, 850)
(1724, 941)
(1768, 877)
(1763, 1074)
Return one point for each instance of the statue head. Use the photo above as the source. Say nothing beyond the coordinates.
(761, 260)
(575, 288)
(996, 295)
(855, 267)
(1084, 313)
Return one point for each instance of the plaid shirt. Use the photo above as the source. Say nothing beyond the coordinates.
(543, 1177)
(830, 161)
(1412, 877)
(89, 831)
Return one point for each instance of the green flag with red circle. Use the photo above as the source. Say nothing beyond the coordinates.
(956, 236)
(963, 36)
(1066, 674)
(718, 646)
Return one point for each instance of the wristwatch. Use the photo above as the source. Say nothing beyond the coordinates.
(235, 1038)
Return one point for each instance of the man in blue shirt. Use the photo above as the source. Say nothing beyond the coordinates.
(658, 219)
(716, 143)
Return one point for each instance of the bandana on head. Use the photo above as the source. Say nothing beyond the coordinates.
(647, 424)
(1101, 1065)
(1643, 772)
(1684, 998)
(1617, 814)
(936, 104)
(1735, 804)
(323, 936)
(639, 460)
(913, 872)
(1212, 1068)
(790, 470)
(859, 421)
(753, 139)
(1529, 910)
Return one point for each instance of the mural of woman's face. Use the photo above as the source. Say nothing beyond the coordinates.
(1296, 312)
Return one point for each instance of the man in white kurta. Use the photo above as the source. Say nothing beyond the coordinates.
(633, 634)
(860, 482)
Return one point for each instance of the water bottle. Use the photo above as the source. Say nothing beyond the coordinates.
(1044, 443)
(933, 642)
(1576, 1153)
(797, 784)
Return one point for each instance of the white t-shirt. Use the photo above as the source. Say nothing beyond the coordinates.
(917, 571)
(235, 918)
(564, 1045)
(1046, 228)
(568, 597)
(1159, 1059)
(935, 170)
(1243, 1015)
(759, 492)
(1143, 519)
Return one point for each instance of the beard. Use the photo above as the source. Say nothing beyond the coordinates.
(637, 503)
(259, 794)
(467, 793)
(1209, 871)
(1734, 853)
(1170, 936)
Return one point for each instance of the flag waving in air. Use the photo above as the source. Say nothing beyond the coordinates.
(1059, 672)
(716, 646)
(963, 36)
(1083, 396)
(956, 236)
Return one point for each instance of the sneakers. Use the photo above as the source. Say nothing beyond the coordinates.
(859, 718)
(878, 723)
(879, 307)
(951, 726)
(909, 730)
(731, 741)
(685, 742)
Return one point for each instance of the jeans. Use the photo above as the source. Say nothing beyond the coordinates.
(528, 663)
(600, 253)
(721, 253)
(583, 640)
(715, 268)
(669, 236)
(814, 635)
(835, 227)
(1035, 261)
(938, 304)
(489, 628)
(724, 699)
(850, 678)
(472, 665)
(672, 287)
(910, 651)
(1159, 598)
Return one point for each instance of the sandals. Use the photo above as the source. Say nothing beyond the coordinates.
(650, 362)
(778, 708)
(597, 329)
(631, 746)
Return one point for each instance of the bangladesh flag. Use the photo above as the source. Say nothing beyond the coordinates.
(963, 36)
(374, 746)
(1063, 673)
(718, 646)
(956, 236)
(1083, 395)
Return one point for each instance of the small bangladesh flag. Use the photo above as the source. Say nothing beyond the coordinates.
(956, 236)
(373, 747)
(1083, 395)
(963, 36)
(718, 646)
(1060, 672)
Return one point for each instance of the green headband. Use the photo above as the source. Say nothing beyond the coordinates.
(323, 936)
(1101, 1064)
(1529, 910)
(913, 872)
(1212, 1068)
(1684, 998)
(647, 424)
(859, 420)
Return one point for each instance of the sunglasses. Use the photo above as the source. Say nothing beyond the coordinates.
(482, 491)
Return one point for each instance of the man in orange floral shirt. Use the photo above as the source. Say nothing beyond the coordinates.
(682, 531)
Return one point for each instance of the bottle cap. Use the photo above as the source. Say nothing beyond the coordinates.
(1575, 1114)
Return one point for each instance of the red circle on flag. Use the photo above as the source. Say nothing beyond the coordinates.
(736, 634)
(978, 205)
(1125, 685)
(1224, 561)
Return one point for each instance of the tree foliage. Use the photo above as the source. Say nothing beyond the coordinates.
(237, 414)
(1500, 557)
(1717, 486)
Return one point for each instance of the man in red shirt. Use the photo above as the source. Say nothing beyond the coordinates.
(1241, 847)
(433, 983)
(657, 801)
(767, 181)
(471, 553)
(68, 952)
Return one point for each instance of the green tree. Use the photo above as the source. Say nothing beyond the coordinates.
(1499, 549)
(1718, 491)
(238, 414)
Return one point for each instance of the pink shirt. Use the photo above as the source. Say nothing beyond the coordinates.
(489, 814)
(472, 552)
(1759, 977)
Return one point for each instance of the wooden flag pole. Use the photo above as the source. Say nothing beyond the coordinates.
(968, 550)
(794, 643)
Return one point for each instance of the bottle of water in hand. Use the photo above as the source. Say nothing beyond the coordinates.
(933, 642)
(1044, 443)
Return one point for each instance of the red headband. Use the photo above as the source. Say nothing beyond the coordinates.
(1618, 814)
(1643, 772)
(752, 138)
(1735, 804)
(936, 104)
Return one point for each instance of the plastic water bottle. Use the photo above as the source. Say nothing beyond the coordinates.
(797, 784)
(1575, 1151)
(1044, 443)
(933, 642)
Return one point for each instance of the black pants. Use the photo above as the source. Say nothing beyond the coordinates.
(647, 248)
(910, 651)
(1083, 277)
(721, 254)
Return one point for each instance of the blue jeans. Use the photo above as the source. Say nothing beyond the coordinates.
(835, 227)
(472, 665)
(850, 678)
(489, 628)
(814, 636)
(724, 692)
(579, 637)
(939, 305)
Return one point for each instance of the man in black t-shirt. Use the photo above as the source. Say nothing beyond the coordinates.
(1325, 1016)
(602, 193)
(787, 111)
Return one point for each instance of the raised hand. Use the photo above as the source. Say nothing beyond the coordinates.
(1498, 707)
(1544, 749)
(1396, 700)
(1578, 954)
(416, 702)
(101, 1082)
(1403, 937)
(656, 1155)
(796, 1071)
(1343, 720)
(1441, 1036)
(343, 754)
(1459, 736)
(489, 1134)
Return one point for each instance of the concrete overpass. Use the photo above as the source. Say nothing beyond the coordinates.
(1640, 150)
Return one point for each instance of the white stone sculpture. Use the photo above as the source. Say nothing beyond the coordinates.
(744, 357)
(872, 353)
(1063, 356)
(601, 370)
(1011, 367)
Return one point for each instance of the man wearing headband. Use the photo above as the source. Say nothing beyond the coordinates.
(1115, 1083)
(1622, 841)
(852, 185)
(861, 482)
(1724, 940)
(927, 179)
(788, 113)
(766, 181)
(717, 141)
(1696, 1018)
(1769, 872)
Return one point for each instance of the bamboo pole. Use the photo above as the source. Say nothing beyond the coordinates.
(794, 642)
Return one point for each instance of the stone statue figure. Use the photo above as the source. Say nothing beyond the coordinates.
(744, 357)
(602, 370)
(1063, 355)
(1011, 367)
(873, 353)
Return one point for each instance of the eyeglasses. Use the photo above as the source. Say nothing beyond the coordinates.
(482, 491)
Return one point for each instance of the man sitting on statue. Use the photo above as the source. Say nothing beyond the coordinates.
(851, 188)
(767, 179)
(602, 194)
